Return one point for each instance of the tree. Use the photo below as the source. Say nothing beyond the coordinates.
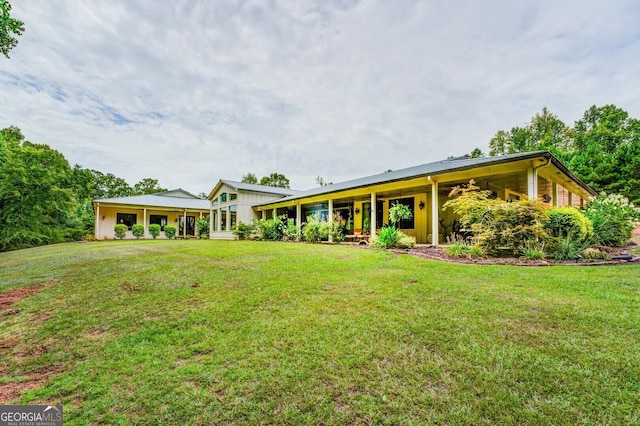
(321, 182)
(476, 153)
(147, 186)
(275, 179)
(8, 26)
(250, 178)
(109, 186)
(544, 132)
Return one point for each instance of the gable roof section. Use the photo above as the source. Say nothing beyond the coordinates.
(433, 169)
(177, 199)
(241, 186)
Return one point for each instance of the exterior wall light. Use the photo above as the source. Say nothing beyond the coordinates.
(421, 205)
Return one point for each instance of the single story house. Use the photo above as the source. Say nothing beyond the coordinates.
(362, 205)
(177, 207)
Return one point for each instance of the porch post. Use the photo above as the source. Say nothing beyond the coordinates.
(554, 189)
(218, 220)
(330, 217)
(185, 224)
(570, 198)
(210, 222)
(96, 231)
(435, 223)
(373, 215)
(144, 221)
(227, 225)
(299, 219)
(262, 214)
(532, 183)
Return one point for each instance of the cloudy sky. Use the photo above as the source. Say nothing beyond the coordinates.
(189, 91)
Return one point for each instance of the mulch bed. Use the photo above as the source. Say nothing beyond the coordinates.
(440, 253)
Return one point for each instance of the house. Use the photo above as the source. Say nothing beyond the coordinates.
(233, 202)
(362, 205)
(177, 207)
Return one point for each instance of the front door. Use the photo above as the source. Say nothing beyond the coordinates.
(191, 225)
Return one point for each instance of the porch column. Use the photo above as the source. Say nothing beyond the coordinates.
(228, 220)
(570, 198)
(96, 231)
(532, 183)
(210, 222)
(299, 219)
(218, 219)
(373, 215)
(330, 217)
(185, 224)
(581, 202)
(144, 221)
(435, 210)
(554, 189)
(262, 214)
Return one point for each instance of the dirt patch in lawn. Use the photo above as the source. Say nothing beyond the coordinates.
(11, 391)
(8, 298)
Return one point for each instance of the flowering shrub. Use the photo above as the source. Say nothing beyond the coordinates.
(613, 218)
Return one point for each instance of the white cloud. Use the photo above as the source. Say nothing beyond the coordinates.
(192, 91)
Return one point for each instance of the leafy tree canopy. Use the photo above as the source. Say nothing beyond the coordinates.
(250, 178)
(8, 26)
(275, 179)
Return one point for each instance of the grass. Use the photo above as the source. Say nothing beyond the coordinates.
(221, 332)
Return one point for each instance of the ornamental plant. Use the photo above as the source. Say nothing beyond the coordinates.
(244, 231)
(566, 222)
(202, 227)
(120, 230)
(399, 212)
(154, 230)
(137, 230)
(613, 218)
(170, 231)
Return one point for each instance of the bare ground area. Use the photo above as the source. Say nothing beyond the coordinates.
(9, 392)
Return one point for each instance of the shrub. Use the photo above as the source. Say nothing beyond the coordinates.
(534, 251)
(613, 218)
(202, 227)
(170, 231)
(335, 231)
(405, 241)
(270, 229)
(499, 227)
(461, 247)
(244, 231)
(154, 230)
(568, 222)
(120, 230)
(137, 230)
(291, 231)
(569, 249)
(386, 238)
(315, 230)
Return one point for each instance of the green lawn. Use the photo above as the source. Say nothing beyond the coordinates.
(208, 332)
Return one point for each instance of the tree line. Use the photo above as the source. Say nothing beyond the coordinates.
(602, 148)
(43, 200)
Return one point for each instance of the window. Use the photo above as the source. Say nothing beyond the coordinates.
(223, 219)
(157, 219)
(215, 221)
(223, 197)
(409, 202)
(215, 201)
(233, 197)
(128, 219)
(233, 213)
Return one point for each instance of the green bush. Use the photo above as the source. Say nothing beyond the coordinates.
(534, 251)
(137, 230)
(270, 229)
(568, 222)
(462, 248)
(386, 238)
(315, 230)
(202, 227)
(291, 231)
(120, 230)
(170, 231)
(569, 249)
(499, 227)
(154, 230)
(399, 212)
(613, 218)
(405, 241)
(244, 231)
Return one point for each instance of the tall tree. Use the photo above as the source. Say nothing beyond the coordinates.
(321, 182)
(8, 26)
(275, 179)
(544, 131)
(147, 186)
(250, 178)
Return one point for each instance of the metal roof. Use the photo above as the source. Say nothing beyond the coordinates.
(431, 169)
(241, 186)
(162, 200)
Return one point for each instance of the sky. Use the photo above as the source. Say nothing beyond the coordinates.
(189, 92)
